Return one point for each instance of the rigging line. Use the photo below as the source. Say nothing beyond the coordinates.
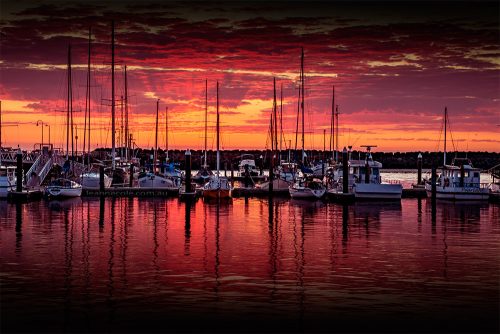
(451, 133)
(440, 133)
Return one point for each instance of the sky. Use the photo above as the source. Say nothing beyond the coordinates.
(395, 66)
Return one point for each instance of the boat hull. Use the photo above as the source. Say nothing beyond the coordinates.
(92, 181)
(306, 193)
(377, 191)
(63, 192)
(459, 193)
(155, 181)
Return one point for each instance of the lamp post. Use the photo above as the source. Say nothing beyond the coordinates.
(39, 122)
(47, 125)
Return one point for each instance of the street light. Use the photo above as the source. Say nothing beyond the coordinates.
(47, 125)
(37, 124)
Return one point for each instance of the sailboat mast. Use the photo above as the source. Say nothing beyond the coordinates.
(0, 125)
(126, 117)
(113, 148)
(206, 115)
(297, 124)
(445, 125)
(217, 129)
(337, 133)
(155, 156)
(275, 117)
(332, 125)
(302, 101)
(281, 118)
(166, 133)
(86, 128)
(68, 103)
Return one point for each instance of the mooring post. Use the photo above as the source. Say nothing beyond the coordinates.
(247, 176)
(131, 177)
(433, 183)
(225, 168)
(419, 168)
(188, 171)
(345, 172)
(101, 178)
(271, 175)
(19, 170)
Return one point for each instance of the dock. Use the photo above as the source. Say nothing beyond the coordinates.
(25, 196)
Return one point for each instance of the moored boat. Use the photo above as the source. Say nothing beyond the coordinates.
(63, 188)
(307, 189)
(7, 180)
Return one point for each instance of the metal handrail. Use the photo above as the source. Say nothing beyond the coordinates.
(33, 168)
(45, 170)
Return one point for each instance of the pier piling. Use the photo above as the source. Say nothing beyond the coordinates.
(19, 171)
(131, 178)
(345, 172)
(419, 169)
(433, 184)
(101, 178)
(188, 171)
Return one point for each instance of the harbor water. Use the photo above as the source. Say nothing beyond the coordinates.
(144, 265)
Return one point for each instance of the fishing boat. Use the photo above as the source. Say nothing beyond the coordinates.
(7, 180)
(63, 188)
(204, 173)
(153, 179)
(460, 180)
(217, 186)
(247, 163)
(364, 180)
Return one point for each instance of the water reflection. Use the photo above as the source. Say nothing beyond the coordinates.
(298, 265)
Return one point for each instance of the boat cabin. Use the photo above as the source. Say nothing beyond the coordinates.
(460, 173)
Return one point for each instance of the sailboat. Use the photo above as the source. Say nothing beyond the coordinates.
(63, 187)
(91, 178)
(279, 183)
(204, 173)
(460, 180)
(308, 186)
(171, 171)
(152, 179)
(217, 186)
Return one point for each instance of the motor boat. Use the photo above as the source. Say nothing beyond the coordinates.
(7, 180)
(247, 161)
(307, 188)
(63, 188)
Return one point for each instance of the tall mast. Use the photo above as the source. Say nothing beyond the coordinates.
(86, 128)
(69, 107)
(166, 132)
(332, 125)
(155, 156)
(445, 124)
(297, 124)
(113, 148)
(281, 118)
(275, 117)
(126, 117)
(217, 129)
(302, 101)
(206, 115)
(122, 129)
(337, 133)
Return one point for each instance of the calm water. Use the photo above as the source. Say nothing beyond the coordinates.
(138, 265)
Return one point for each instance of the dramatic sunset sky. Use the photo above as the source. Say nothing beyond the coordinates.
(395, 67)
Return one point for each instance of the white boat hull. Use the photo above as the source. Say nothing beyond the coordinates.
(91, 181)
(155, 181)
(377, 191)
(459, 193)
(4, 190)
(63, 192)
(306, 193)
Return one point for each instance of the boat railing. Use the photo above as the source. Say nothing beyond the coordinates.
(45, 170)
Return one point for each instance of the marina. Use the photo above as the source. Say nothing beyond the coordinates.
(249, 167)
